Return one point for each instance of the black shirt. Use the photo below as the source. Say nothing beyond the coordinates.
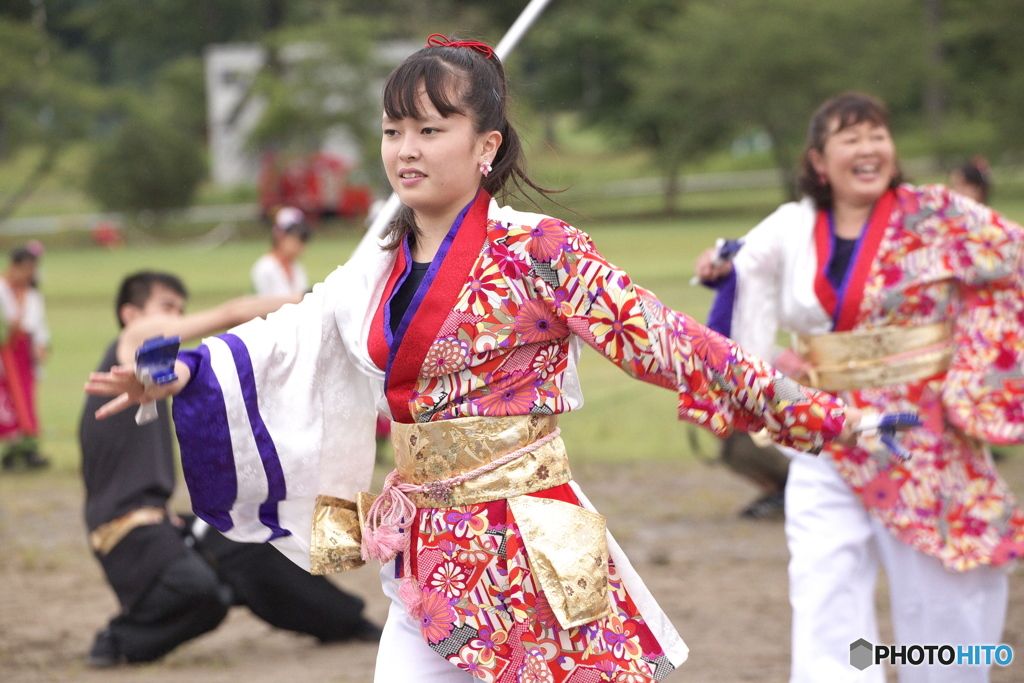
(126, 466)
(404, 296)
(841, 258)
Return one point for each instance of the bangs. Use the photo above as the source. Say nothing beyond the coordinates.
(442, 83)
(860, 112)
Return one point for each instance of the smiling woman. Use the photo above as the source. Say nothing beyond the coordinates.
(446, 125)
(903, 299)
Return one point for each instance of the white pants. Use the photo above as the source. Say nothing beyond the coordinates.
(835, 549)
(403, 655)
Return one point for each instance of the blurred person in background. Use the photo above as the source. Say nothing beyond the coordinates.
(279, 272)
(972, 179)
(26, 343)
(175, 579)
(759, 462)
(903, 299)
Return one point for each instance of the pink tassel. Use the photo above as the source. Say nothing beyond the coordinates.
(409, 592)
(386, 529)
(383, 543)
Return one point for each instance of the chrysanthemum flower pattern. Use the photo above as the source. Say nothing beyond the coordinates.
(505, 346)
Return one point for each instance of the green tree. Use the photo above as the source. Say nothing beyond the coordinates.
(767, 65)
(682, 78)
(984, 72)
(131, 40)
(46, 101)
(147, 166)
(320, 77)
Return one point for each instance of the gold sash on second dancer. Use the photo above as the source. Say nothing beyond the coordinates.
(884, 356)
(573, 574)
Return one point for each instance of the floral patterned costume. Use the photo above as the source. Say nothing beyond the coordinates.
(926, 256)
(494, 330)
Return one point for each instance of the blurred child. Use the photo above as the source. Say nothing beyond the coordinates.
(972, 179)
(26, 341)
(278, 273)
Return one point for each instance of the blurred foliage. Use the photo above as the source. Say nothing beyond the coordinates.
(983, 71)
(682, 79)
(46, 100)
(679, 79)
(319, 77)
(147, 167)
(131, 40)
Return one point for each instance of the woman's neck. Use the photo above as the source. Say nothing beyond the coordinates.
(15, 284)
(849, 219)
(429, 236)
(432, 229)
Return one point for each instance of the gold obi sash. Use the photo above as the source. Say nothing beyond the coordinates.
(884, 356)
(434, 451)
(566, 544)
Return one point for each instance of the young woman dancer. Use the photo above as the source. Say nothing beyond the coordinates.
(463, 325)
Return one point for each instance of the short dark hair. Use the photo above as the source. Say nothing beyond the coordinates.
(21, 255)
(300, 230)
(847, 110)
(975, 172)
(138, 287)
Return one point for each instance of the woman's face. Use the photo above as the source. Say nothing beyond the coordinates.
(23, 273)
(859, 162)
(433, 163)
(290, 246)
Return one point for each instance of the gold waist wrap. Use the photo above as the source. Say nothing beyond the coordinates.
(104, 537)
(435, 451)
(884, 356)
(566, 544)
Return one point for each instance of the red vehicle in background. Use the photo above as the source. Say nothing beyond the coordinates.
(318, 184)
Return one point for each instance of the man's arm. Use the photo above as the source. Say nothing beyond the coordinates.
(121, 381)
(196, 325)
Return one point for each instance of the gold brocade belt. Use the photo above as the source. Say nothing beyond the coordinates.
(104, 537)
(884, 356)
(566, 544)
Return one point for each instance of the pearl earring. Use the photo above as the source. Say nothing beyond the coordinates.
(485, 167)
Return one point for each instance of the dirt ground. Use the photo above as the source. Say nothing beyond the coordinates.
(722, 581)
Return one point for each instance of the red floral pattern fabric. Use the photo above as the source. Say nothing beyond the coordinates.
(945, 258)
(504, 348)
(483, 611)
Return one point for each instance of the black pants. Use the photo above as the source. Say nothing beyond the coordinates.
(184, 602)
(280, 592)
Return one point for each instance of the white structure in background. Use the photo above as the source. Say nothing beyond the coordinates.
(232, 111)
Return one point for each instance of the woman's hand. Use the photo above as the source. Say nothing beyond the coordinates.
(848, 437)
(129, 390)
(708, 269)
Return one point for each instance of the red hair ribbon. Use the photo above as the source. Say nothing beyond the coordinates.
(439, 40)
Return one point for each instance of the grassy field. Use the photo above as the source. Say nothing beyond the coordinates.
(623, 418)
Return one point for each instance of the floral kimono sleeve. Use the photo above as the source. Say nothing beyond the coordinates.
(720, 386)
(984, 389)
